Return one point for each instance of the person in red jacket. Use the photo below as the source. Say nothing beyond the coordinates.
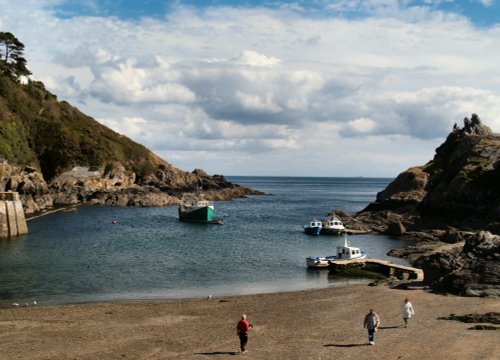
(242, 330)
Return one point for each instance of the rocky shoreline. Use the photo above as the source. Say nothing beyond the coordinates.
(112, 187)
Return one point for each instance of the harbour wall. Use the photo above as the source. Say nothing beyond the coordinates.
(12, 219)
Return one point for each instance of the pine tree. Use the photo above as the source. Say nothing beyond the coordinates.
(12, 61)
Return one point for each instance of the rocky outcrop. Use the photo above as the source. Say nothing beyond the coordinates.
(114, 186)
(33, 191)
(470, 270)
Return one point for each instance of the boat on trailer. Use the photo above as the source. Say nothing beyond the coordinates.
(344, 252)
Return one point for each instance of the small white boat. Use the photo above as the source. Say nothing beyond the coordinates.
(345, 252)
(332, 226)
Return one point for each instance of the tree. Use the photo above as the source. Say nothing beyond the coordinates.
(12, 61)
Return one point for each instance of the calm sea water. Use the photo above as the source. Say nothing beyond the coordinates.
(80, 256)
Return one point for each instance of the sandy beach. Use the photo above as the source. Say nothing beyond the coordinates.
(313, 324)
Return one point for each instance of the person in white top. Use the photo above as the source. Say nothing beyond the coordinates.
(408, 311)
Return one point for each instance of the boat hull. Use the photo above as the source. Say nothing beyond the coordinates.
(332, 231)
(203, 214)
(312, 230)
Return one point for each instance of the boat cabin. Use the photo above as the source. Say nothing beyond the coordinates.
(204, 203)
(194, 200)
(315, 223)
(348, 253)
(332, 223)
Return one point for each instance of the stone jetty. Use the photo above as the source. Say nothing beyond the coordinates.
(12, 220)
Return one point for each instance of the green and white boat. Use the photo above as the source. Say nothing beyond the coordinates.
(195, 208)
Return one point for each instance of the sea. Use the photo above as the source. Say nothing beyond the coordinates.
(81, 256)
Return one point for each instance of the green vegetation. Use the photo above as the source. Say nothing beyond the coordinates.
(53, 136)
(12, 61)
(37, 130)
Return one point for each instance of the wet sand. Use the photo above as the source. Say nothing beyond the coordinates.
(313, 324)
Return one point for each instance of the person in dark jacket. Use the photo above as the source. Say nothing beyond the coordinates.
(372, 321)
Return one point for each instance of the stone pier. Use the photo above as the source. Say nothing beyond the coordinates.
(12, 220)
(387, 268)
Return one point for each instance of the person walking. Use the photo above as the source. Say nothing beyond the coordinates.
(372, 321)
(408, 311)
(242, 330)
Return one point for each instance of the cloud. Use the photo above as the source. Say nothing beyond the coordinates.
(128, 82)
(362, 126)
(252, 58)
(261, 84)
(486, 3)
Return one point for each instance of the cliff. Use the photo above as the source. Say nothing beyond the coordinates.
(446, 206)
(458, 188)
(54, 155)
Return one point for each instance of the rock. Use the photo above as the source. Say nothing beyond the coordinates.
(113, 185)
(453, 236)
(408, 189)
(395, 229)
(472, 271)
(491, 317)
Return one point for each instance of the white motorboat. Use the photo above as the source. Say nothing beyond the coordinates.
(344, 252)
(332, 226)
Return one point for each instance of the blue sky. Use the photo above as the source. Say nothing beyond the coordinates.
(319, 88)
(481, 13)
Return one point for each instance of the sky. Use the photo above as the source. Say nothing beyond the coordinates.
(271, 88)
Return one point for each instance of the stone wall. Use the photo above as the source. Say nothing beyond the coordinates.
(12, 220)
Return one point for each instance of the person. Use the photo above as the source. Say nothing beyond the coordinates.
(372, 321)
(242, 330)
(408, 311)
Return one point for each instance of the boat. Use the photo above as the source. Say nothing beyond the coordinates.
(194, 208)
(314, 227)
(344, 252)
(332, 226)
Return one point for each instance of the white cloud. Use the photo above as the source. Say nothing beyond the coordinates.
(362, 125)
(252, 58)
(485, 3)
(260, 103)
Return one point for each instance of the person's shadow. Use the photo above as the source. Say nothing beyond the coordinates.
(218, 353)
(390, 327)
(346, 345)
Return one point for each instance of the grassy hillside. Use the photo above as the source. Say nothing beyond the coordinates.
(38, 130)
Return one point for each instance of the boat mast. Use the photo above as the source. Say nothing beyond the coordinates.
(346, 242)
